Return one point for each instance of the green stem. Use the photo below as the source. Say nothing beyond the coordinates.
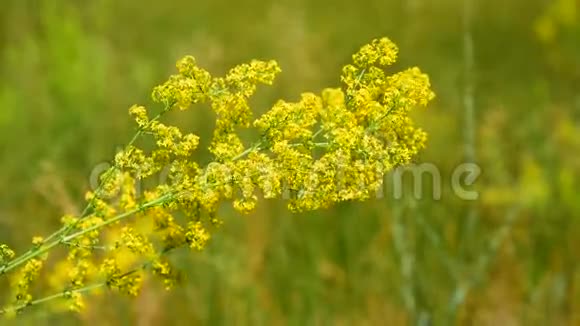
(254, 147)
(59, 295)
(87, 288)
(36, 252)
(107, 178)
(159, 201)
(319, 145)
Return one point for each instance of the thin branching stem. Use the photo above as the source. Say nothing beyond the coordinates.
(61, 233)
(69, 292)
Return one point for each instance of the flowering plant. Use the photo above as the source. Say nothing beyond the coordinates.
(317, 151)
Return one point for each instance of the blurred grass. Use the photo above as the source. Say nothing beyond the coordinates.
(70, 69)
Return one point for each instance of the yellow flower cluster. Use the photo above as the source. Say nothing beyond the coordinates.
(22, 283)
(188, 87)
(129, 283)
(322, 149)
(6, 253)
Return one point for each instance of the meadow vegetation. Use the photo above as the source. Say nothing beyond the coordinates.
(70, 70)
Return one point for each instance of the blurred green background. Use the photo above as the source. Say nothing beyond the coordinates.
(70, 69)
